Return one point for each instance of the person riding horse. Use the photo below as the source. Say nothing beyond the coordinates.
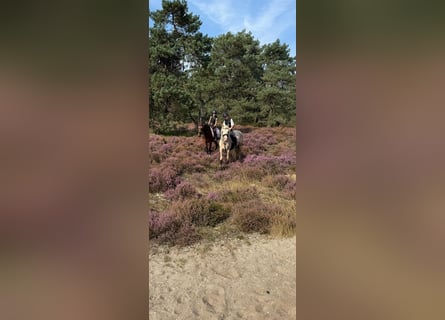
(212, 123)
(231, 140)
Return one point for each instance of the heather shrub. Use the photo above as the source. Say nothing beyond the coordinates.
(184, 163)
(284, 224)
(155, 141)
(198, 168)
(159, 148)
(191, 164)
(201, 212)
(175, 141)
(183, 190)
(253, 172)
(169, 228)
(271, 164)
(174, 162)
(290, 190)
(258, 195)
(213, 196)
(257, 142)
(284, 221)
(186, 235)
(239, 194)
(162, 179)
(252, 216)
(165, 149)
(289, 160)
(264, 140)
(155, 157)
(159, 223)
(279, 181)
(222, 175)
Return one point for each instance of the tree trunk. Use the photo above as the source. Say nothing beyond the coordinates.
(199, 119)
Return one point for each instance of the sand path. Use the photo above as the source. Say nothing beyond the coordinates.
(252, 278)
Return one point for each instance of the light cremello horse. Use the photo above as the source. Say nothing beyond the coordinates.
(229, 143)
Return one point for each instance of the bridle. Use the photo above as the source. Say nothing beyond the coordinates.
(225, 142)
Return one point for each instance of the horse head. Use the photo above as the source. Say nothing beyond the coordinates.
(225, 136)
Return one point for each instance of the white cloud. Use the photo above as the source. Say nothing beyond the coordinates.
(267, 19)
(272, 20)
(220, 12)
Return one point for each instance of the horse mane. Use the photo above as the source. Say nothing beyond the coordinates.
(206, 128)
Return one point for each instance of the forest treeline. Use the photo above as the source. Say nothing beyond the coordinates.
(192, 74)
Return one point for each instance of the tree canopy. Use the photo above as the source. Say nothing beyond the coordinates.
(192, 73)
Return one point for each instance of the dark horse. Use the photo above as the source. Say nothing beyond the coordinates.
(209, 139)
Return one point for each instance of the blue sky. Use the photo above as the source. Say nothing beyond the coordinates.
(268, 20)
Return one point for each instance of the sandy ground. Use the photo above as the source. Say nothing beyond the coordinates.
(252, 278)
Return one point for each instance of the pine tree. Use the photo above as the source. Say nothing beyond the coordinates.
(277, 96)
(236, 67)
(176, 49)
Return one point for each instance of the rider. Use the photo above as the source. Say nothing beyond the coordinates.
(228, 122)
(213, 120)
